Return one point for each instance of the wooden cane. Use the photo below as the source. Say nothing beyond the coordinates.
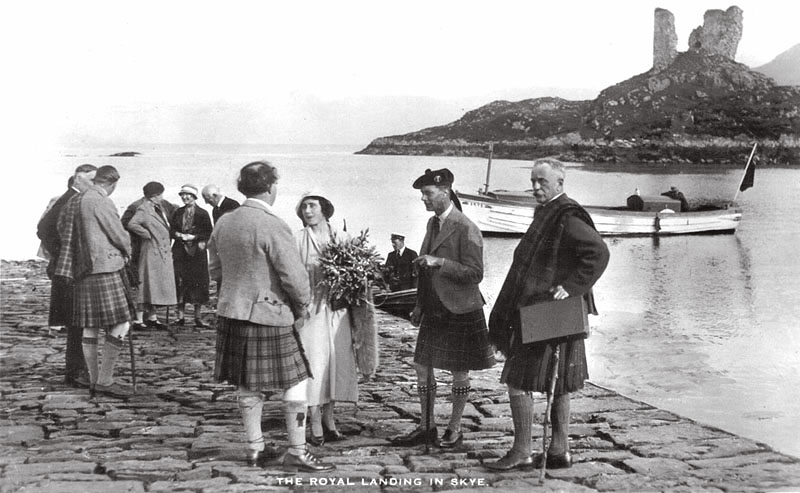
(428, 406)
(550, 391)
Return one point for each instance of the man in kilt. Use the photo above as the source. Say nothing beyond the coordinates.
(262, 304)
(560, 255)
(61, 291)
(95, 249)
(449, 310)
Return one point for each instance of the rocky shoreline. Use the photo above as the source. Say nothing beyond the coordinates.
(182, 431)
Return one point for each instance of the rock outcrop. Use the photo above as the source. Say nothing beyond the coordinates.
(720, 33)
(699, 106)
(665, 40)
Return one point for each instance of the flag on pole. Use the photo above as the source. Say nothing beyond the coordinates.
(749, 175)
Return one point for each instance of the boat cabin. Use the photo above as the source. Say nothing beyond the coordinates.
(653, 203)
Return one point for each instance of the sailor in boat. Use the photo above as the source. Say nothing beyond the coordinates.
(399, 266)
(676, 194)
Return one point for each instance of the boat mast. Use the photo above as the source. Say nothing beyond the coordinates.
(489, 167)
(752, 153)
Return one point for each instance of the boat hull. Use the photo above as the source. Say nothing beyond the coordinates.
(498, 216)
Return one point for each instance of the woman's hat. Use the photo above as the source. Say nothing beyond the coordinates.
(327, 206)
(190, 189)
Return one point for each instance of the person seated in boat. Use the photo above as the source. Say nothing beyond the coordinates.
(399, 267)
(676, 194)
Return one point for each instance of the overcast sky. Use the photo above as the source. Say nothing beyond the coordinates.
(324, 71)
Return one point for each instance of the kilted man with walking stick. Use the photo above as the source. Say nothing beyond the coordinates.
(561, 256)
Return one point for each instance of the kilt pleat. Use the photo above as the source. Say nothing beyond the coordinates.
(103, 300)
(454, 342)
(529, 367)
(258, 357)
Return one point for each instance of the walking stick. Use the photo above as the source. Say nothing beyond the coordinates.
(133, 361)
(429, 415)
(550, 391)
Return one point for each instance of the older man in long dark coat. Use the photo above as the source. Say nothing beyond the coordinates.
(561, 255)
(61, 291)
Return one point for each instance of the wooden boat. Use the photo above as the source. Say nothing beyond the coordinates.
(400, 303)
(503, 212)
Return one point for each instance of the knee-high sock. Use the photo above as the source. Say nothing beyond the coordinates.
(427, 402)
(89, 345)
(459, 396)
(251, 404)
(111, 350)
(73, 356)
(295, 414)
(522, 417)
(559, 416)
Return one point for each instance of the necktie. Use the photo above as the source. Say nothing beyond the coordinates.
(435, 228)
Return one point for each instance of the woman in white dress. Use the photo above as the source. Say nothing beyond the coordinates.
(326, 337)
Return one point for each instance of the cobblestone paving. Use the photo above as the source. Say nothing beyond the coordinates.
(182, 431)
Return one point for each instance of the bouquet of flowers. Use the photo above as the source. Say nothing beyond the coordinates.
(349, 266)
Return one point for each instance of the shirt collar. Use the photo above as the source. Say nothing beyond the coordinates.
(554, 198)
(446, 213)
(221, 199)
(262, 204)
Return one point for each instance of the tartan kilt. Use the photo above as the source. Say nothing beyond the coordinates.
(61, 293)
(454, 342)
(259, 357)
(103, 300)
(528, 367)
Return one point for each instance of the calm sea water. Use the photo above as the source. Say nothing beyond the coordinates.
(705, 326)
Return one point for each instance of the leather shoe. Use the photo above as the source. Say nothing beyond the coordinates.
(77, 382)
(155, 324)
(509, 462)
(416, 437)
(451, 439)
(114, 390)
(332, 436)
(305, 462)
(138, 326)
(557, 461)
(262, 458)
(200, 324)
(180, 322)
(317, 441)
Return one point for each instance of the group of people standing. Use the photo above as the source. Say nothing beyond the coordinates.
(277, 331)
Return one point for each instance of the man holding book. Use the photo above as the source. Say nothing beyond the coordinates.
(560, 256)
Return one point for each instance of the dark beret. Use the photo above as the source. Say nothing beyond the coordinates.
(440, 177)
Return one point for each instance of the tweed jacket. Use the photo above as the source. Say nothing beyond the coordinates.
(254, 256)
(108, 242)
(460, 243)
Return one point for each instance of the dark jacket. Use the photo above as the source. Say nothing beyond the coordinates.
(226, 205)
(561, 247)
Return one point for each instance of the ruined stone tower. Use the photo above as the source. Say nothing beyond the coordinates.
(665, 41)
(720, 33)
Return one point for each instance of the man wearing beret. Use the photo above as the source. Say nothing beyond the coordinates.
(449, 310)
(400, 264)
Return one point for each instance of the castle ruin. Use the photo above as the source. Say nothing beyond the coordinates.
(719, 35)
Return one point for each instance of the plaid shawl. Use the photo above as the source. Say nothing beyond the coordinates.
(540, 246)
(73, 260)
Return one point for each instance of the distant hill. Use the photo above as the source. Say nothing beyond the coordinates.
(702, 108)
(785, 68)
